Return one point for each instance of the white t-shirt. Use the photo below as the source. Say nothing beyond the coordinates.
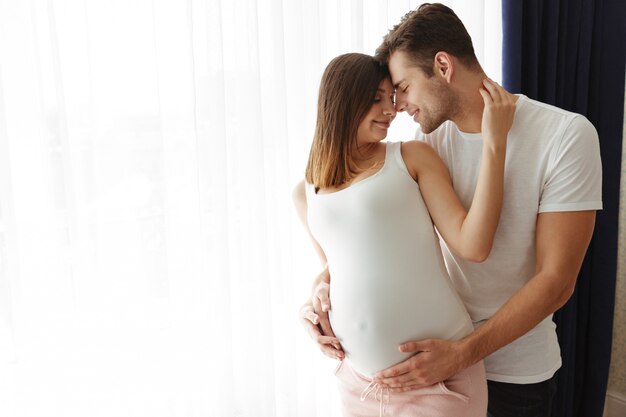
(552, 164)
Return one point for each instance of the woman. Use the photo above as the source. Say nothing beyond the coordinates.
(368, 207)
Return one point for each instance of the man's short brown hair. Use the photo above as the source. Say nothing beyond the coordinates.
(423, 32)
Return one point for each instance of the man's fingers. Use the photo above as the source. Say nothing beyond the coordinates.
(400, 380)
(399, 369)
(406, 388)
(420, 346)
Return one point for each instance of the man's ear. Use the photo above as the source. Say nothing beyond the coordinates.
(444, 66)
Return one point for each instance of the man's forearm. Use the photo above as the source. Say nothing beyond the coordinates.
(539, 298)
(562, 238)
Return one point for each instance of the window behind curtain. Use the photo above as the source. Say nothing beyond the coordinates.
(150, 260)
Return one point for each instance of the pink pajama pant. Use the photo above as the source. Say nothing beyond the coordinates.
(463, 395)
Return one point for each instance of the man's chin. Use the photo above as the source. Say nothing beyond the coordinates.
(429, 126)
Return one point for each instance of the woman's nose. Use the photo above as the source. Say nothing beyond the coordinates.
(390, 109)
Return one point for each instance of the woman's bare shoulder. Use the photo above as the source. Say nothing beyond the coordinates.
(416, 155)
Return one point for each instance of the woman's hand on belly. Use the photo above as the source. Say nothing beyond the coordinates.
(314, 319)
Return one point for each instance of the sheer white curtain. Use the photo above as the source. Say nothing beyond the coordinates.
(150, 260)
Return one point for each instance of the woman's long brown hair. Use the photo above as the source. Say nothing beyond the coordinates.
(347, 91)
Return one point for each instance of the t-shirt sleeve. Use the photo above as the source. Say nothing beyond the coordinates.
(574, 182)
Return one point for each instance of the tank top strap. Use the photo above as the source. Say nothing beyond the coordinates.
(395, 156)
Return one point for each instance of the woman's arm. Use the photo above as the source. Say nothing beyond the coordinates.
(468, 233)
(314, 312)
(299, 200)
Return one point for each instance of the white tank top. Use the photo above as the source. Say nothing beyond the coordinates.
(388, 284)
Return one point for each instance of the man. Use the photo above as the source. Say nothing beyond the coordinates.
(552, 189)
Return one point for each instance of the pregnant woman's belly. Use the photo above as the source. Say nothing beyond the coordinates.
(388, 282)
(372, 314)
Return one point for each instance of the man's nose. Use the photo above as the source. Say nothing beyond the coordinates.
(400, 103)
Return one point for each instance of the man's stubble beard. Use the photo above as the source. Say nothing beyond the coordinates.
(446, 108)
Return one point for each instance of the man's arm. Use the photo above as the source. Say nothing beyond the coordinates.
(562, 239)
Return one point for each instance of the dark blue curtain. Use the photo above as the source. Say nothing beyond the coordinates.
(570, 53)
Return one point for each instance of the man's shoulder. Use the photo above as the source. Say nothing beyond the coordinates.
(546, 120)
(527, 105)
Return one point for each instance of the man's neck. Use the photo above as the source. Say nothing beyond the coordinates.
(470, 110)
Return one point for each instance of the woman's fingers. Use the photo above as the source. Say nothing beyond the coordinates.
(318, 328)
(322, 292)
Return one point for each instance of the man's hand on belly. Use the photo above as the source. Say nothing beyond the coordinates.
(436, 360)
